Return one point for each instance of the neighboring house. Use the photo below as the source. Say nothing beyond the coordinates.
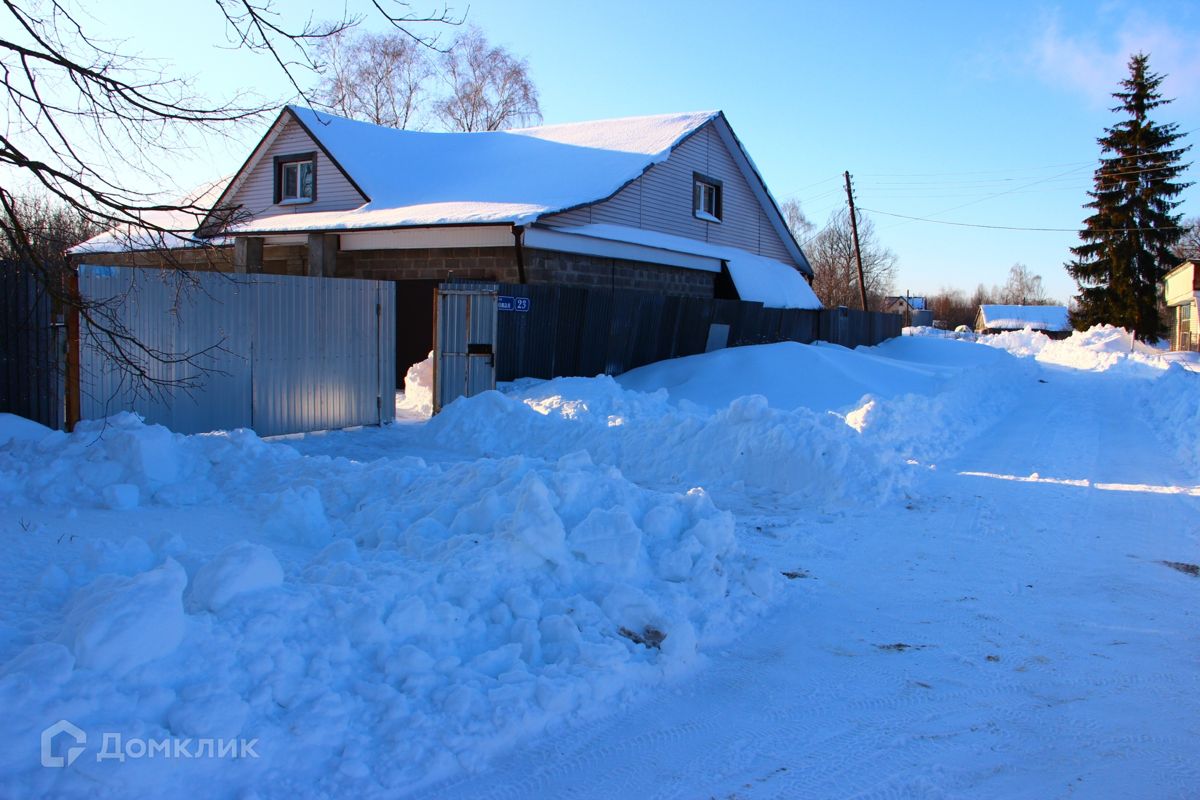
(670, 204)
(1182, 290)
(1050, 320)
(911, 308)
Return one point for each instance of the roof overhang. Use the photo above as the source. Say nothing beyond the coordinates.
(563, 240)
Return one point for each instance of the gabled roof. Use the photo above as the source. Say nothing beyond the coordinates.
(1008, 317)
(419, 178)
(413, 178)
(514, 177)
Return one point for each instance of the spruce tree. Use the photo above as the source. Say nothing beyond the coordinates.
(1127, 240)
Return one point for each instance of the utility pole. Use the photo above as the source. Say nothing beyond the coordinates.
(862, 284)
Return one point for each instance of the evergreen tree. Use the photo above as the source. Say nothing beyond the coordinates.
(1127, 241)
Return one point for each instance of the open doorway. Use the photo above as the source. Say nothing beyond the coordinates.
(414, 324)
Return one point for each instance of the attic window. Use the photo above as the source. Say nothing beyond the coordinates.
(296, 178)
(706, 198)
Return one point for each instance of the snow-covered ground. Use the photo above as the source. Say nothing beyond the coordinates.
(935, 568)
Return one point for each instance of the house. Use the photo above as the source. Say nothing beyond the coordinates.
(1050, 320)
(1181, 287)
(671, 204)
(911, 308)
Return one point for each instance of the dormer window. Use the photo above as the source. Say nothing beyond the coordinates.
(706, 198)
(296, 178)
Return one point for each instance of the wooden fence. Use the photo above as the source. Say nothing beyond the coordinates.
(569, 331)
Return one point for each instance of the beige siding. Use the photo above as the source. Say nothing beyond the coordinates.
(256, 194)
(661, 200)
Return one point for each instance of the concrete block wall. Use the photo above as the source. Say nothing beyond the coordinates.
(497, 264)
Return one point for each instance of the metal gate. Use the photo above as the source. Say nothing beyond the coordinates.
(464, 342)
(32, 348)
(276, 353)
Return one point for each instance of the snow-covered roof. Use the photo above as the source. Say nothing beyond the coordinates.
(1043, 318)
(163, 229)
(513, 176)
(757, 278)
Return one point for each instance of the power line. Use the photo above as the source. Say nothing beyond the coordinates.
(795, 192)
(1019, 228)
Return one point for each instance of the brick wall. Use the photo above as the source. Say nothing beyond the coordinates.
(219, 259)
(572, 269)
(461, 263)
(497, 264)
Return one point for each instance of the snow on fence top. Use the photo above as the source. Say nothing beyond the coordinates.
(514, 176)
(1044, 318)
(757, 278)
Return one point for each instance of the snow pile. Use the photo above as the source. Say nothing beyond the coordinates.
(819, 376)
(418, 389)
(14, 428)
(932, 425)
(914, 397)
(374, 625)
(1165, 386)
(942, 333)
(1174, 403)
(117, 623)
(121, 463)
(745, 446)
(1100, 348)
(241, 568)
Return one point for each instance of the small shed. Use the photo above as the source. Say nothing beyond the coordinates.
(1182, 290)
(1050, 320)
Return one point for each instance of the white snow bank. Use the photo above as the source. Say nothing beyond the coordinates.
(1174, 404)
(1163, 386)
(121, 462)
(821, 377)
(14, 428)
(1100, 348)
(374, 625)
(916, 397)
(747, 445)
(418, 388)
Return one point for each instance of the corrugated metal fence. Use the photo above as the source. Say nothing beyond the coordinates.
(274, 353)
(569, 331)
(32, 345)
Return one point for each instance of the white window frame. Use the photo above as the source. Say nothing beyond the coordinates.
(706, 199)
(295, 167)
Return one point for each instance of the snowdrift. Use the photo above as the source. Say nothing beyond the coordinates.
(374, 626)
(377, 624)
(745, 446)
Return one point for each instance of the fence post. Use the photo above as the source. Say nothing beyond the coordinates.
(72, 384)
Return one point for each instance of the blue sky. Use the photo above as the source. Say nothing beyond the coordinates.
(976, 113)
